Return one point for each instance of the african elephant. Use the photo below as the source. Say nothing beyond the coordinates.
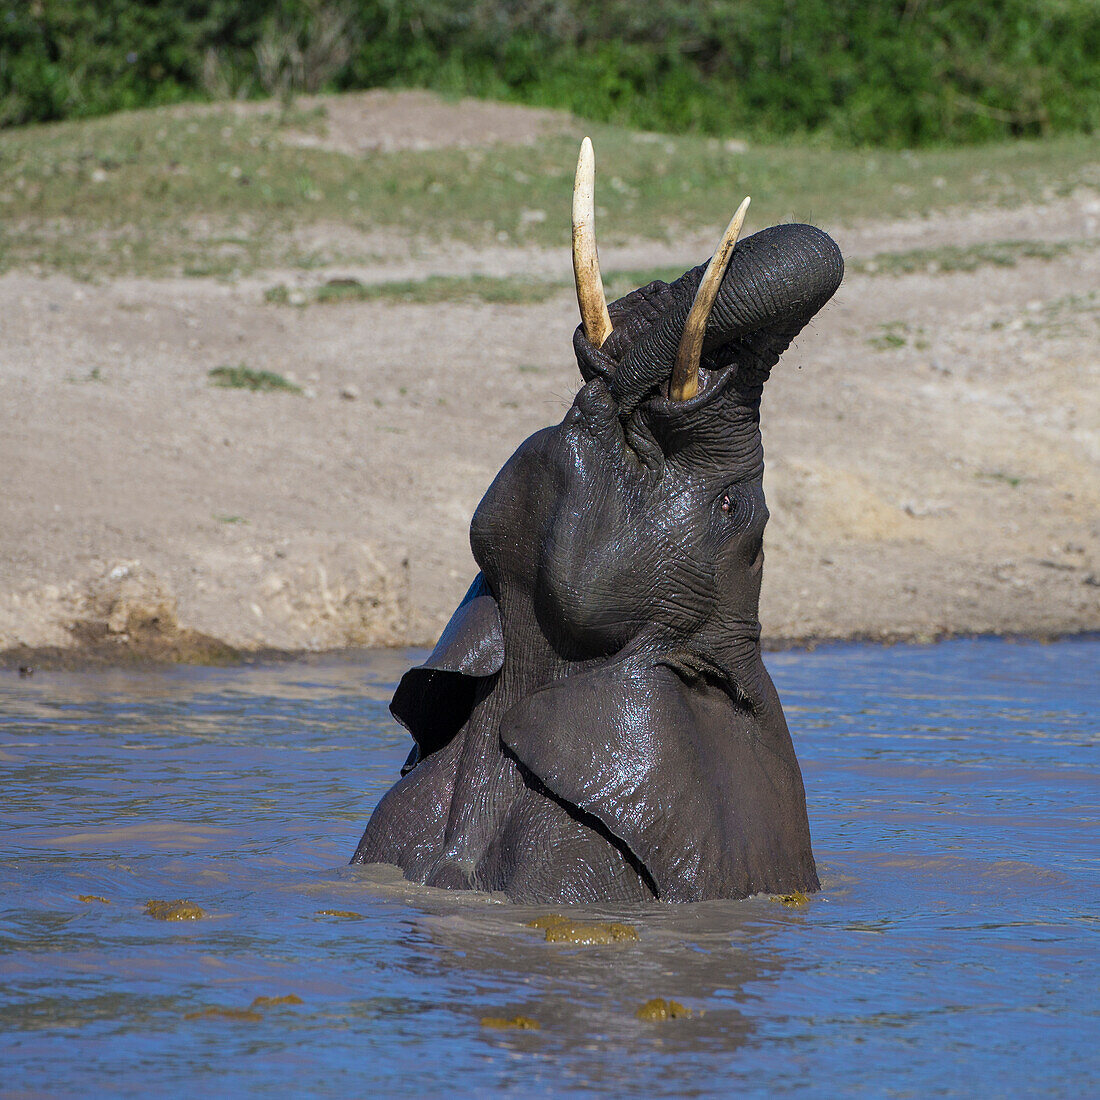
(596, 723)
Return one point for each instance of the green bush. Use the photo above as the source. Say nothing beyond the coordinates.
(855, 72)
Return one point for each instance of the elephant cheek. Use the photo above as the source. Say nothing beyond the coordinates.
(585, 592)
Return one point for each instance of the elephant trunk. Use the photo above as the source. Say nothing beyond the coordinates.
(776, 281)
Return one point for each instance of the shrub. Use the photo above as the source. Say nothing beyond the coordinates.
(856, 72)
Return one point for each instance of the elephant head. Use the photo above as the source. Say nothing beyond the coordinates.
(596, 722)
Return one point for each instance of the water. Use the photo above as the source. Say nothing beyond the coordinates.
(953, 950)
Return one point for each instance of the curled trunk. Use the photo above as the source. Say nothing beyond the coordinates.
(776, 281)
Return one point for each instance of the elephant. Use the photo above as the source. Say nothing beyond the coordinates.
(595, 724)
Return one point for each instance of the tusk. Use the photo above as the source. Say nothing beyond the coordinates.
(684, 384)
(586, 262)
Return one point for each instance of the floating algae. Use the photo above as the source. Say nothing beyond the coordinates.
(89, 898)
(271, 1002)
(560, 929)
(174, 910)
(546, 921)
(590, 934)
(658, 1009)
(523, 1023)
(218, 1012)
(792, 901)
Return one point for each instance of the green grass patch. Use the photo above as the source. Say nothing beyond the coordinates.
(884, 341)
(429, 291)
(94, 375)
(245, 378)
(514, 290)
(209, 193)
(1073, 314)
(898, 334)
(497, 289)
(950, 258)
(999, 475)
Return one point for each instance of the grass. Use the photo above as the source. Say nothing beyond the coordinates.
(999, 475)
(897, 334)
(428, 291)
(949, 258)
(94, 375)
(497, 289)
(245, 378)
(513, 290)
(211, 192)
(1073, 313)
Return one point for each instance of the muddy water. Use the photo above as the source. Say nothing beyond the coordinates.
(953, 950)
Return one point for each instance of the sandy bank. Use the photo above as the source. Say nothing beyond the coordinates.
(933, 448)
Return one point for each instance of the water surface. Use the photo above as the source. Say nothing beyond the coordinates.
(953, 801)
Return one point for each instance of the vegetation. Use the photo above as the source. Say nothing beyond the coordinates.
(896, 334)
(902, 73)
(214, 191)
(435, 288)
(245, 378)
(948, 258)
(525, 290)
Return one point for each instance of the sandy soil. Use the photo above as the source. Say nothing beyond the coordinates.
(944, 480)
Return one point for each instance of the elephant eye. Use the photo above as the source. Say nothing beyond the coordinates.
(728, 503)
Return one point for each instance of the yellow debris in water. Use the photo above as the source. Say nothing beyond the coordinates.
(174, 910)
(339, 913)
(271, 1002)
(659, 1009)
(523, 1023)
(89, 898)
(220, 1013)
(792, 901)
(546, 921)
(560, 929)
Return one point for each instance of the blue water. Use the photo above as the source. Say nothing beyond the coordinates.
(953, 950)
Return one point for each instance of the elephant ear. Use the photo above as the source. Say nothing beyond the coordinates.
(706, 798)
(433, 701)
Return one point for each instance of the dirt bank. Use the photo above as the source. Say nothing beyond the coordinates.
(933, 446)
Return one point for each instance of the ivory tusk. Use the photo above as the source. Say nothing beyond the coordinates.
(586, 261)
(684, 384)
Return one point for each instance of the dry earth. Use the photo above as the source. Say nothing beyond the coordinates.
(933, 442)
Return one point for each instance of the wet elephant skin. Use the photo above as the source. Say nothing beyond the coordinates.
(596, 723)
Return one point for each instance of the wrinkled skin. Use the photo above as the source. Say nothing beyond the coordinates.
(596, 723)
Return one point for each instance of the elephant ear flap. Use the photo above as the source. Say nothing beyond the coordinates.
(678, 772)
(433, 701)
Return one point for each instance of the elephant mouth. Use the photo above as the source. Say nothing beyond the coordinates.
(710, 384)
